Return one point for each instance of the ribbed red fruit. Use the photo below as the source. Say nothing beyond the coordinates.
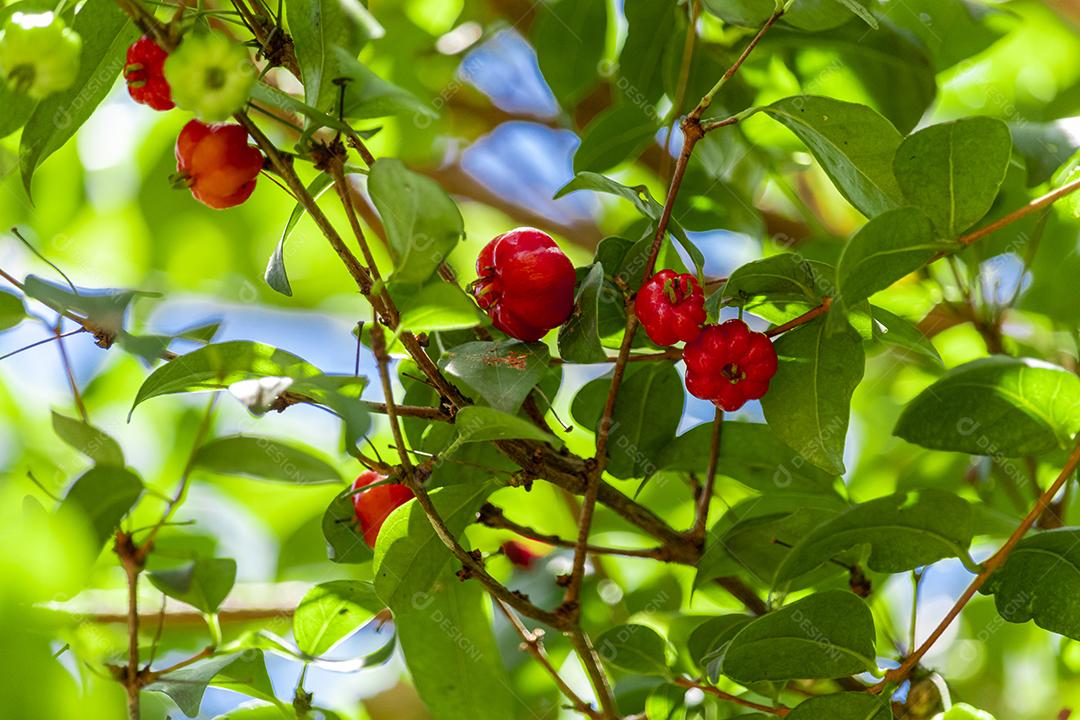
(216, 163)
(671, 307)
(728, 364)
(375, 505)
(525, 283)
(145, 76)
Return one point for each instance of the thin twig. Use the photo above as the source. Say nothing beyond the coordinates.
(69, 371)
(591, 661)
(382, 361)
(704, 500)
(50, 339)
(780, 710)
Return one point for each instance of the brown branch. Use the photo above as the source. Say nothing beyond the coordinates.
(1033, 206)
(995, 561)
(591, 661)
(382, 361)
(806, 317)
(129, 556)
(780, 710)
(533, 643)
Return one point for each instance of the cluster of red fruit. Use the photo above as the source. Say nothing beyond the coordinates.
(213, 160)
(526, 285)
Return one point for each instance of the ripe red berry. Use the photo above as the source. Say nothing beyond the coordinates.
(216, 163)
(671, 307)
(728, 364)
(525, 283)
(145, 75)
(520, 554)
(375, 505)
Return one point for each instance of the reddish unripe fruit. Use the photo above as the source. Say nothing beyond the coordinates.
(216, 163)
(375, 505)
(671, 307)
(519, 554)
(728, 364)
(145, 76)
(525, 283)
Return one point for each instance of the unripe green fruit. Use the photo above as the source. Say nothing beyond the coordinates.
(963, 711)
(211, 76)
(39, 54)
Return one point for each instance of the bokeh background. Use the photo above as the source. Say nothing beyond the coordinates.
(501, 141)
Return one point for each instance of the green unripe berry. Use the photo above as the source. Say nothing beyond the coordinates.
(963, 711)
(211, 76)
(39, 54)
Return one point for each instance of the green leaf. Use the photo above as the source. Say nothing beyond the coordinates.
(853, 143)
(187, 685)
(344, 542)
(369, 96)
(12, 311)
(887, 248)
(829, 634)
(809, 398)
(203, 583)
(997, 405)
(634, 648)
(318, 29)
(750, 453)
(481, 424)
(271, 98)
(1040, 581)
(422, 223)
(951, 30)
(896, 331)
(843, 706)
(617, 134)
(786, 277)
(265, 459)
(667, 702)
(106, 33)
(502, 373)
(17, 109)
(87, 439)
(436, 306)
(646, 416)
(953, 171)
(103, 308)
(579, 337)
(247, 675)
(446, 635)
(571, 69)
(902, 531)
(332, 611)
(651, 24)
(219, 365)
(341, 395)
(103, 494)
(811, 15)
(409, 556)
(275, 274)
(709, 638)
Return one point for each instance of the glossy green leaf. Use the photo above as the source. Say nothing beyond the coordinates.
(902, 531)
(750, 453)
(202, 583)
(997, 405)
(247, 675)
(276, 276)
(579, 337)
(332, 611)
(104, 309)
(809, 398)
(219, 365)
(409, 556)
(369, 96)
(480, 424)
(634, 648)
(103, 494)
(446, 635)
(571, 69)
(344, 541)
(709, 638)
(618, 134)
(786, 277)
(894, 330)
(843, 706)
(318, 29)
(953, 171)
(646, 416)
(651, 25)
(806, 14)
(187, 685)
(1040, 581)
(501, 373)
(951, 30)
(829, 634)
(437, 306)
(87, 439)
(106, 33)
(887, 248)
(853, 143)
(263, 458)
(12, 311)
(422, 223)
